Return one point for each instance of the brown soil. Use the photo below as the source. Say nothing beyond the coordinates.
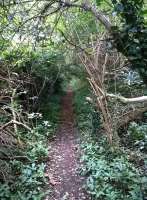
(62, 169)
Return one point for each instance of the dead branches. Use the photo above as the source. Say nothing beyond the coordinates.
(14, 122)
(136, 114)
(13, 114)
(95, 66)
(126, 100)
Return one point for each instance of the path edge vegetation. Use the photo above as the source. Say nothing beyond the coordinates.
(110, 174)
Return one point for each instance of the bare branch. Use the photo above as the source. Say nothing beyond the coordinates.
(15, 122)
(128, 100)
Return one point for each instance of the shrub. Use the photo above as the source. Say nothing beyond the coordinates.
(137, 135)
(28, 174)
(110, 175)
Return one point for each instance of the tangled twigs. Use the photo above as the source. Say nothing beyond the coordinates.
(95, 66)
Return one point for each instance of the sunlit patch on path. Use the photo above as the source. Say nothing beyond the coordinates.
(62, 168)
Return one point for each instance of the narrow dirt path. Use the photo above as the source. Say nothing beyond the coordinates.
(62, 169)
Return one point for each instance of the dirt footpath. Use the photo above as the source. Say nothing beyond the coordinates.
(62, 171)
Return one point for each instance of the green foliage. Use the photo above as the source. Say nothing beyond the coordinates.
(89, 119)
(98, 2)
(130, 38)
(83, 109)
(42, 64)
(36, 65)
(137, 135)
(28, 176)
(51, 108)
(110, 174)
(47, 64)
(27, 186)
(44, 129)
(37, 150)
(37, 73)
(96, 121)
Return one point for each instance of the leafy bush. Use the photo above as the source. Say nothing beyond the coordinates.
(110, 175)
(137, 135)
(27, 183)
(27, 186)
(27, 174)
(132, 34)
(37, 150)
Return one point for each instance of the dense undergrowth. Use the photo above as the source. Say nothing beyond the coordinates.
(111, 173)
(29, 111)
(25, 172)
(28, 177)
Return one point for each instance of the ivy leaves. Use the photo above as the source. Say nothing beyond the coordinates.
(130, 38)
(109, 176)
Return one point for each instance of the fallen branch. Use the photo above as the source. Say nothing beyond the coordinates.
(16, 123)
(128, 100)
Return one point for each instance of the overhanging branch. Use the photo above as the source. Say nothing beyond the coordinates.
(100, 16)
